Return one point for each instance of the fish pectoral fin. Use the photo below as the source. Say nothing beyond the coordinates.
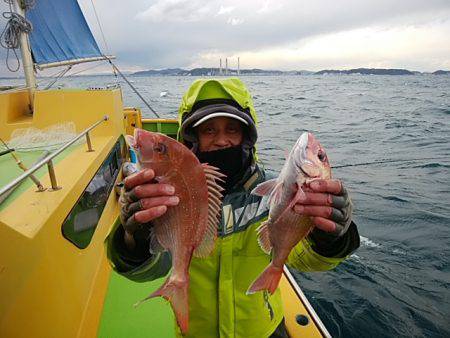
(265, 188)
(155, 246)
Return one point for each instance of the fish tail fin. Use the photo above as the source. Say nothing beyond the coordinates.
(176, 292)
(267, 280)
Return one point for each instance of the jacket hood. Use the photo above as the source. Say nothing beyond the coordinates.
(204, 93)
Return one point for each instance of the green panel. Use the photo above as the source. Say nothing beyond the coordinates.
(168, 128)
(152, 319)
(149, 126)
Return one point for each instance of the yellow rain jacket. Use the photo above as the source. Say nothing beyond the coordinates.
(219, 306)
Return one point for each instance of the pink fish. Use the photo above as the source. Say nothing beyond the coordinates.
(284, 228)
(190, 228)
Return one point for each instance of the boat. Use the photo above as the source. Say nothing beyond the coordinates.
(58, 206)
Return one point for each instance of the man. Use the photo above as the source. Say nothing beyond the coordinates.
(218, 122)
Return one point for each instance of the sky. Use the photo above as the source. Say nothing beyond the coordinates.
(271, 34)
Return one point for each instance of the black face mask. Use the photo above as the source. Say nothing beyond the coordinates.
(232, 161)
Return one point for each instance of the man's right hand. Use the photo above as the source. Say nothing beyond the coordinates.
(142, 200)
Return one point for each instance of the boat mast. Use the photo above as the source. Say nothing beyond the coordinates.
(26, 56)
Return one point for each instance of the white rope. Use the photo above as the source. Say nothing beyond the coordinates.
(17, 24)
(83, 70)
(103, 37)
(57, 77)
(101, 29)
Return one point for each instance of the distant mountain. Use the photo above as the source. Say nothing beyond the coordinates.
(442, 72)
(216, 71)
(204, 71)
(366, 71)
(208, 72)
(256, 71)
(169, 71)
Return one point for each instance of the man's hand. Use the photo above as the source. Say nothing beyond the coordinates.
(142, 200)
(329, 205)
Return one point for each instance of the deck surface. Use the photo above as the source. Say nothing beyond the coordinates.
(151, 319)
(10, 170)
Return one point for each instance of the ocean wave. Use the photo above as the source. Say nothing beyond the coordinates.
(445, 111)
(369, 243)
(400, 124)
(395, 199)
(399, 252)
(431, 165)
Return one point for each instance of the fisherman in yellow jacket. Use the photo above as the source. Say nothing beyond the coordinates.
(218, 122)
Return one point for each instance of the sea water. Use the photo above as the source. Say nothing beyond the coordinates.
(398, 282)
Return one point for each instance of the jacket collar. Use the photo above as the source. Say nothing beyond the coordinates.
(251, 178)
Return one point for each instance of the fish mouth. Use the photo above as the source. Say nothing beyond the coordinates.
(144, 146)
(137, 136)
(137, 133)
(303, 172)
(310, 171)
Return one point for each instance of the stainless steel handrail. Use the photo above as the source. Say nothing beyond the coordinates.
(48, 160)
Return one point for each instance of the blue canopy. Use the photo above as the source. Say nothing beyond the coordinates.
(60, 32)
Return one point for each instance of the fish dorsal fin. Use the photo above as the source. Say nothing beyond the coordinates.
(263, 237)
(265, 188)
(213, 175)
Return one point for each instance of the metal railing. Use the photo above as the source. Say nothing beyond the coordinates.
(48, 160)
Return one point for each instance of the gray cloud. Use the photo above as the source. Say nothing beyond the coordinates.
(169, 33)
(172, 33)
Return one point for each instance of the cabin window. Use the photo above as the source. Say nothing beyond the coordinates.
(80, 224)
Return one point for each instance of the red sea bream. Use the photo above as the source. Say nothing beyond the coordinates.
(190, 228)
(284, 228)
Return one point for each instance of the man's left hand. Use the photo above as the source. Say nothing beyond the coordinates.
(329, 205)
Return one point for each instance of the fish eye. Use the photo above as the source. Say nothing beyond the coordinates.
(160, 148)
(322, 156)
